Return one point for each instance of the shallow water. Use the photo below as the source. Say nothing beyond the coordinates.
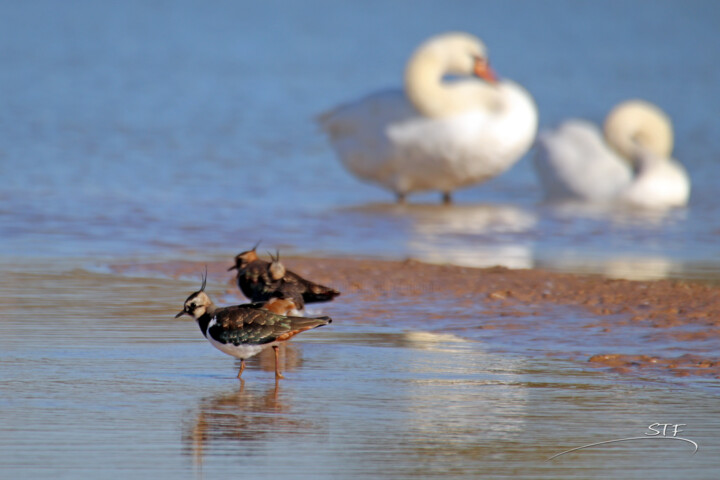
(99, 379)
(133, 131)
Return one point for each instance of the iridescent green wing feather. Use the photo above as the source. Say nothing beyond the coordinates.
(242, 325)
(248, 326)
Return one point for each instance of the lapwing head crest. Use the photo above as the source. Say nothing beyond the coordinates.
(276, 269)
(198, 302)
(242, 259)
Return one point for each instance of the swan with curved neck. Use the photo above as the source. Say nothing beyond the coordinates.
(436, 134)
(636, 125)
(456, 54)
(631, 165)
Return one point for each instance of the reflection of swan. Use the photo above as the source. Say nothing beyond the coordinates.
(480, 256)
(436, 134)
(634, 268)
(467, 235)
(471, 219)
(440, 234)
(625, 267)
(574, 163)
(466, 219)
(634, 217)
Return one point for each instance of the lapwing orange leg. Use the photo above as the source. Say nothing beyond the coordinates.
(277, 362)
(242, 367)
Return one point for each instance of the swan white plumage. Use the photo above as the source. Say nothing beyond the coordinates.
(631, 166)
(436, 134)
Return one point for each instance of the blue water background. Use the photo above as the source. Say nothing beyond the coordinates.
(186, 128)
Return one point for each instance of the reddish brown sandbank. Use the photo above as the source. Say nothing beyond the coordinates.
(670, 310)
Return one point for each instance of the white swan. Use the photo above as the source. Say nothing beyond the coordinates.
(632, 167)
(436, 134)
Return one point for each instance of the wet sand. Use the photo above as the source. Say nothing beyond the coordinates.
(678, 319)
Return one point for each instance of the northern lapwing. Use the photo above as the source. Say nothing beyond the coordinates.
(245, 330)
(258, 279)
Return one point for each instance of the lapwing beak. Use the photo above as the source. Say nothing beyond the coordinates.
(234, 267)
(181, 314)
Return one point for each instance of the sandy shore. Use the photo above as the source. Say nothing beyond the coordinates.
(683, 314)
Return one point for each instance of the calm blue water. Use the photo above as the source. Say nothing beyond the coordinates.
(146, 129)
(103, 382)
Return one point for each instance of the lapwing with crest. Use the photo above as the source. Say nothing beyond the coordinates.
(243, 331)
(259, 279)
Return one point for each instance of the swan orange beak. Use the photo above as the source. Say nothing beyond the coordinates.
(482, 70)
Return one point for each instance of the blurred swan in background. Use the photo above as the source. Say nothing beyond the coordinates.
(632, 166)
(436, 134)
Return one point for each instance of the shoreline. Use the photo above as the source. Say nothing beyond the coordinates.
(683, 314)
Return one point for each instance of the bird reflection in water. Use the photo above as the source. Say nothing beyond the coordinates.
(230, 421)
(471, 235)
